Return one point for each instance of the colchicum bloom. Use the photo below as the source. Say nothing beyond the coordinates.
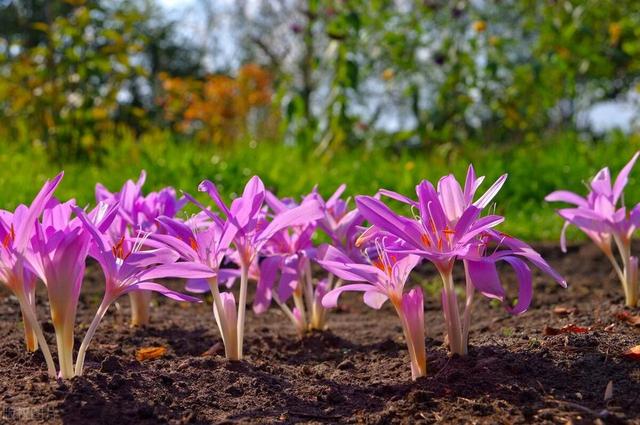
(207, 245)
(601, 218)
(137, 212)
(252, 232)
(289, 253)
(448, 227)
(127, 267)
(16, 231)
(60, 248)
(20, 280)
(381, 280)
(339, 223)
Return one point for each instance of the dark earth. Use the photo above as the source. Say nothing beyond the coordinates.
(357, 372)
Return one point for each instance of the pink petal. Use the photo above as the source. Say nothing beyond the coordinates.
(374, 299)
(163, 290)
(331, 299)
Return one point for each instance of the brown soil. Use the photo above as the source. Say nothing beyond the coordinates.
(356, 372)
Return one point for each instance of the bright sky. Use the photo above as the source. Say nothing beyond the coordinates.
(175, 3)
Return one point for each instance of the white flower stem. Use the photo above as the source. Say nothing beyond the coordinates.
(30, 337)
(308, 280)
(30, 317)
(318, 315)
(298, 301)
(616, 267)
(140, 307)
(337, 284)
(102, 310)
(314, 306)
(242, 306)
(318, 312)
(228, 339)
(287, 312)
(452, 315)
(629, 275)
(466, 316)
(63, 326)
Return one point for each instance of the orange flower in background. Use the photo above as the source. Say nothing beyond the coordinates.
(563, 52)
(388, 74)
(255, 85)
(216, 109)
(615, 31)
(479, 26)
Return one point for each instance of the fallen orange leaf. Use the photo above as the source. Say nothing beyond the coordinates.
(150, 353)
(562, 311)
(625, 316)
(568, 329)
(633, 353)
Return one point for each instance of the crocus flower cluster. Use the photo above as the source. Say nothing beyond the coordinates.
(290, 253)
(16, 230)
(603, 217)
(447, 227)
(138, 213)
(239, 235)
(50, 241)
(138, 239)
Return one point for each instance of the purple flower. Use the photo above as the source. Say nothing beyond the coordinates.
(381, 280)
(137, 212)
(289, 252)
(340, 223)
(60, 248)
(252, 232)
(603, 221)
(127, 267)
(16, 231)
(448, 227)
(206, 244)
(20, 280)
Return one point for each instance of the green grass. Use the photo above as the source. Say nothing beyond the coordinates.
(533, 171)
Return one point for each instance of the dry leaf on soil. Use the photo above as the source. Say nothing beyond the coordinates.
(568, 329)
(564, 311)
(625, 316)
(150, 353)
(633, 353)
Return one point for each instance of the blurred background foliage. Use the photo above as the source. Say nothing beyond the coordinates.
(317, 91)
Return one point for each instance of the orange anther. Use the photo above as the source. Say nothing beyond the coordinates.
(118, 249)
(385, 268)
(193, 243)
(10, 237)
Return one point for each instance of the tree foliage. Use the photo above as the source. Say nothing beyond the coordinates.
(327, 73)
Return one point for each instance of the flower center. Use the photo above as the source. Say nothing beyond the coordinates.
(386, 268)
(118, 250)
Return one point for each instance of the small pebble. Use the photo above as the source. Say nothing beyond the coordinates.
(345, 365)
